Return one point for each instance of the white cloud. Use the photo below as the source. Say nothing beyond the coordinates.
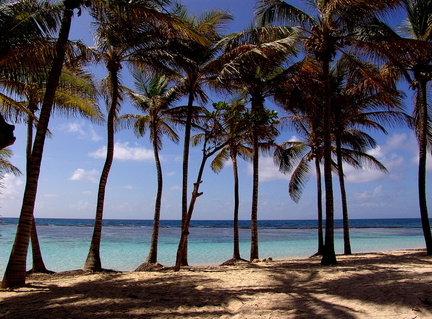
(376, 193)
(389, 154)
(12, 186)
(175, 188)
(128, 187)
(268, 171)
(81, 174)
(171, 173)
(124, 152)
(83, 130)
(81, 205)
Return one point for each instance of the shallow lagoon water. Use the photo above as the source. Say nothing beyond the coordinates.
(125, 243)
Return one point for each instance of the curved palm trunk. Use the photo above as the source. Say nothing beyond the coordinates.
(346, 235)
(93, 261)
(15, 273)
(319, 208)
(422, 101)
(152, 256)
(236, 253)
(182, 247)
(329, 255)
(186, 147)
(38, 263)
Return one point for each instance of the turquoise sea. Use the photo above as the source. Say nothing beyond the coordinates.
(125, 243)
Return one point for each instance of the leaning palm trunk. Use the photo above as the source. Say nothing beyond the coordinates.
(15, 273)
(346, 236)
(153, 252)
(182, 248)
(93, 261)
(422, 136)
(38, 263)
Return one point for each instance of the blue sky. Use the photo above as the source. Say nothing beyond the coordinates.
(74, 156)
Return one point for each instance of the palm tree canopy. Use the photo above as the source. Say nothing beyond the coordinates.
(154, 95)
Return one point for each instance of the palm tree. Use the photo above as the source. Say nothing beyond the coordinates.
(126, 31)
(236, 148)
(76, 94)
(22, 25)
(414, 59)
(302, 153)
(192, 58)
(358, 102)
(212, 138)
(337, 24)
(251, 66)
(16, 268)
(154, 97)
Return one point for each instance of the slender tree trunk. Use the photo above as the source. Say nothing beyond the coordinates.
(257, 105)
(320, 209)
(182, 247)
(38, 263)
(93, 261)
(329, 255)
(15, 273)
(346, 235)
(186, 147)
(422, 136)
(152, 256)
(236, 253)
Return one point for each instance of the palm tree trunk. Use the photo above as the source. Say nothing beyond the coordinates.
(329, 255)
(182, 247)
(93, 261)
(423, 118)
(257, 105)
(15, 273)
(319, 208)
(236, 253)
(152, 256)
(186, 147)
(347, 242)
(38, 263)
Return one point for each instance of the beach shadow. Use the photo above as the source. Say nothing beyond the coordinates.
(111, 296)
(294, 289)
(371, 280)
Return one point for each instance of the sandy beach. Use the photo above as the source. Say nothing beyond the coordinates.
(394, 284)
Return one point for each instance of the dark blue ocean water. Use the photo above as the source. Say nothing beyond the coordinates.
(272, 224)
(125, 243)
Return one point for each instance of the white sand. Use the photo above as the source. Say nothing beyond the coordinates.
(396, 284)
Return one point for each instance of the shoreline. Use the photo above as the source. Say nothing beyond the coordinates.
(395, 284)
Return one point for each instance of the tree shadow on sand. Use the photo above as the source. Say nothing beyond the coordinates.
(294, 289)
